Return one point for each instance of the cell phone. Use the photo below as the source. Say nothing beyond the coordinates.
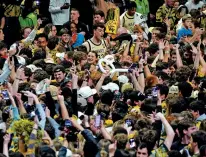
(133, 66)
(37, 3)
(155, 91)
(128, 122)
(5, 94)
(67, 123)
(97, 121)
(132, 143)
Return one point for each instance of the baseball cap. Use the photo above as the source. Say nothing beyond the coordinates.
(111, 86)
(32, 67)
(123, 79)
(173, 89)
(136, 96)
(82, 102)
(86, 92)
(21, 60)
(126, 86)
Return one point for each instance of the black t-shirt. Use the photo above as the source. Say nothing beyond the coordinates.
(1, 12)
(178, 146)
(81, 27)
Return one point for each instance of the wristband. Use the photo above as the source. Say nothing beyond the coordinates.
(17, 78)
(35, 129)
(144, 64)
(141, 72)
(167, 52)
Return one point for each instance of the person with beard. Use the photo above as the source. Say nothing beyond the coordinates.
(194, 4)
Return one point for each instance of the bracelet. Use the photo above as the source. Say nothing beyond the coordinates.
(35, 129)
(167, 52)
(141, 72)
(144, 64)
(17, 78)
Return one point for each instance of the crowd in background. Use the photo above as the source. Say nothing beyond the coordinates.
(102, 78)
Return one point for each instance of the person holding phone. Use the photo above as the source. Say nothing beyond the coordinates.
(60, 12)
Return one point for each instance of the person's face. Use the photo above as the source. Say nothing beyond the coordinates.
(99, 32)
(170, 2)
(167, 71)
(42, 43)
(187, 23)
(195, 114)
(3, 51)
(132, 11)
(73, 28)
(27, 31)
(91, 58)
(59, 76)
(174, 57)
(54, 31)
(97, 18)
(190, 130)
(204, 7)
(1, 35)
(65, 38)
(186, 55)
(83, 61)
(142, 152)
(74, 15)
(154, 34)
(176, 5)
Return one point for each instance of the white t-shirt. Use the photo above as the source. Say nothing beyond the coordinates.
(190, 5)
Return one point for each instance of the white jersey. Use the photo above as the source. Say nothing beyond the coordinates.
(129, 22)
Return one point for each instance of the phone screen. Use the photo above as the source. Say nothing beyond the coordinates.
(128, 122)
(132, 143)
(154, 91)
(5, 94)
(97, 121)
(68, 123)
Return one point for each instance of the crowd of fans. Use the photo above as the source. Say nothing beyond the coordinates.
(132, 85)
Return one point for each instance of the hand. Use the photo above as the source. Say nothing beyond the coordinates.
(106, 74)
(167, 46)
(194, 49)
(159, 116)
(60, 98)
(11, 63)
(47, 112)
(65, 6)
(28, 94)
(141, 62)
(176, 46)
(7, 139)
(161, 45)
(90, 100)
(152, 16)
(19, 72)
(48, 138)
(47, 81)
(167, 22)
(18, 96)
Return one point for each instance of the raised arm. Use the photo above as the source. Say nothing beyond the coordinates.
(65, 114)
(179, 59)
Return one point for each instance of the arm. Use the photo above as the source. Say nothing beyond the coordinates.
(2, 22)
(155, 61)
(100, 82)
(53, 8)
(141, 78)
(5, 145)
(179, 60)
(15, 86)
(161, 48)
(135, 82)
(74, 94)
(6, 72)
(20, 104)
(169, 131)
(104, 132)
(65, 114)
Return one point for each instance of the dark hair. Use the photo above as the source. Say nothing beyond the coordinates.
(174, 153)
(2, 45)
(48, 28)
(184, 124)
(15, 154)
(185, 88)
(58, 68)
(183, 73)
(63, 31)
(23, 29)
(144, 145)
(119, 130)
(99, 24)
(42, 35)
(26, 51)
(49, 68)
(40, 54)
(131, 5)
(45, 151)
(52, 42)
(199, 137)
(198, 106)
(162, 65)
(75, 9)
(203, 151)
(99, 12)
(40, 75)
